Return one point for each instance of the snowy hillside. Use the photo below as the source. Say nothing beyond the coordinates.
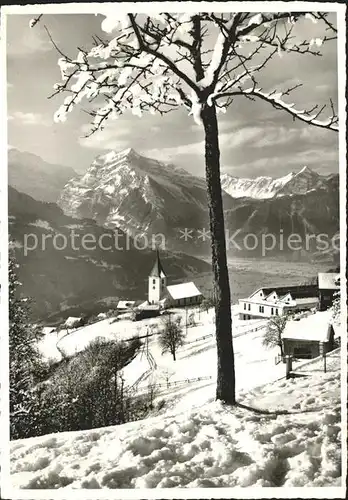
(266, 187)
(283, 434)
(196, 360)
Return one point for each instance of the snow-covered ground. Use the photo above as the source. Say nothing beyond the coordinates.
(74, 340)
(282, 434)
(176, 381)
(190, 380)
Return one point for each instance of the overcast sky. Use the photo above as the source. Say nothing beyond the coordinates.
(255, 139)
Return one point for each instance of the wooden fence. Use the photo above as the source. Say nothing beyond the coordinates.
(176, 383)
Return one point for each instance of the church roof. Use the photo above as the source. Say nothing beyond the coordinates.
(157, 270)
(183, 290)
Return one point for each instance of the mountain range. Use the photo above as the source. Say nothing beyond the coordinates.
(143, 196)
(266, 187)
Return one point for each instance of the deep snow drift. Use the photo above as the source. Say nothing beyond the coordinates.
(286, 434)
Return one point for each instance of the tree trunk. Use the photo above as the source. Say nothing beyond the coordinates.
(225, 389)
(281, 349)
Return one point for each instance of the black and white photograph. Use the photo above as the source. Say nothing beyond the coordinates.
(173, 250)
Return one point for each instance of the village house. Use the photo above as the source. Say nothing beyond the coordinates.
(73, 322)
(277, 301)
(125, 305)
(310, 336)
(180, 295)
(328, 284)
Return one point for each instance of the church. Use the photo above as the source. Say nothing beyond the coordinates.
(159, 293)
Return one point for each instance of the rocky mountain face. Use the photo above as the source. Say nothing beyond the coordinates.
(140, 195)
(305, 216)
(31, 175)
(145, 197)
(266, 187)
(88, 272)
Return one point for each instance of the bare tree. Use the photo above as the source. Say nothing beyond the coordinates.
(202, 62)
(172, 336)
(207, 303)
(191, 321)
(273, 334)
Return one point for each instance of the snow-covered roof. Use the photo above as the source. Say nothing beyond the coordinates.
(296, 291)
(72, 320)
(314, 327)
(148, 307)
(183, 290)
(143, 304)
(328, 281)
(125, 304)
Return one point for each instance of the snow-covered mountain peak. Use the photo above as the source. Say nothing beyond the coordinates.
(113, 155)
(305, 169)
(264, 187)
(132, 192)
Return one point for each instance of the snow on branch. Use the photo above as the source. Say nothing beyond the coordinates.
(161, 62)
(33, 22)
(311, 116)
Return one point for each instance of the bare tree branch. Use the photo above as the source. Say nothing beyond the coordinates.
(274, 99)
(126, 70)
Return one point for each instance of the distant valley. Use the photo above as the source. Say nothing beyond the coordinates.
(62, 279)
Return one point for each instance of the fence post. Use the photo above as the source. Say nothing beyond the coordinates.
(288, 365)
(322, 353)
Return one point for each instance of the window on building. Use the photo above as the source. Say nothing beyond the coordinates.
(248, 307)
(272, 311)
(153, 281)
(153, 288)
(276, 311)
(244, 305)
(162, 281)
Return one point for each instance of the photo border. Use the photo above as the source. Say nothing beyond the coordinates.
(186, 493)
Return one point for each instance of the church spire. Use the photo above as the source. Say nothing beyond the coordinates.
(157, 270)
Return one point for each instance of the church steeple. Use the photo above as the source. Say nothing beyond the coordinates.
(157, 270)
(157, 281)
